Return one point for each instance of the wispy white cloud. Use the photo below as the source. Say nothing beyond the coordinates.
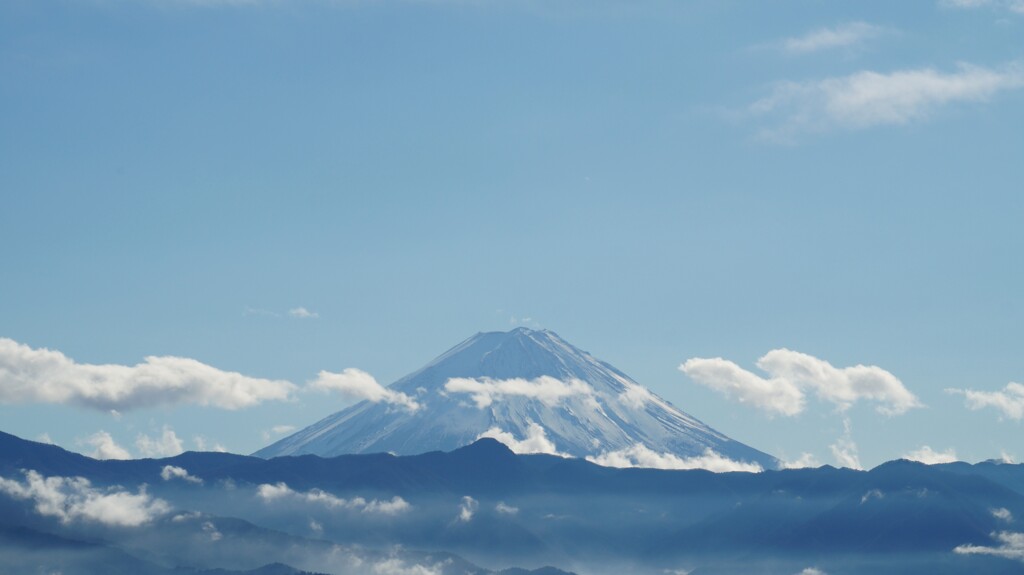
(812, 571)
(105, 447)
(548, 390)
(280, 491)
(1011, 546)
(536, 440)
(871, 494)
(792, 374)
(640, 455)
(868, 98)
(1015, 6)
(170, 472)
(636, 396)
(804, 461)
(203, 444)
(44, 376)
(1002, 514)
(467, 509)
(506, 509)
(841, 36)
(166, 445)
(74, 498)
(303, 313)
(398, 566)
(1009, 401)
(929, 456)
(844, 450)
(276, 430)
(357, 384)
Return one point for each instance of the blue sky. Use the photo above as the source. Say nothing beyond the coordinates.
(655, 181)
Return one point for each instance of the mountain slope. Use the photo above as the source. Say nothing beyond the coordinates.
(611, 412)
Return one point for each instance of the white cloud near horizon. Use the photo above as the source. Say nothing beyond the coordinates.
(639, 455)
(548, 390)
(105, 447)
(170, 472)
(74, 498)
(1011, 546)
(357, 384)
(536, 440)
(868, 98)
(1009, 401)
(929, 456)
(806, 460)
(30, 375)
(167, 444)
(792, 375)
(280, 491)
(841, 36)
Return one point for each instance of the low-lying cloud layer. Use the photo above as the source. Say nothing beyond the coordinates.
(357, 384)
(640, 455)
(74, 498)
(280, 491)
(548, 390)
(1011, 546)
(792, 375)
(171, 472)
(30, 375)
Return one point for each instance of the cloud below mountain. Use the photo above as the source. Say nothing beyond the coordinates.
(640, 455)
(280, 491)
(74, 498)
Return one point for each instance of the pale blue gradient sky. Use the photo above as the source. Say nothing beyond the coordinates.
(415, 172)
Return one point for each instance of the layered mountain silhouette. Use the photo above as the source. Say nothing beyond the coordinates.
(599, 410)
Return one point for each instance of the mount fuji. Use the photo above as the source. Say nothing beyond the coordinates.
(529, 388)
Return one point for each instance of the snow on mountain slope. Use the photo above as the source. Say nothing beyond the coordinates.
(519, 386)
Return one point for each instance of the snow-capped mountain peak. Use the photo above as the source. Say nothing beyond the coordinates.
(528, 388)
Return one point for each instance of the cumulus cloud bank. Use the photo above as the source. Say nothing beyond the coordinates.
(640, 455)
(1011, 546)
(548, 390)
(280, 491)
(1009, 402)
(536, 440)
(30, 375)
(74, 498)
(357, 384)
(929, 456)
(867, 99)
(791, 375)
